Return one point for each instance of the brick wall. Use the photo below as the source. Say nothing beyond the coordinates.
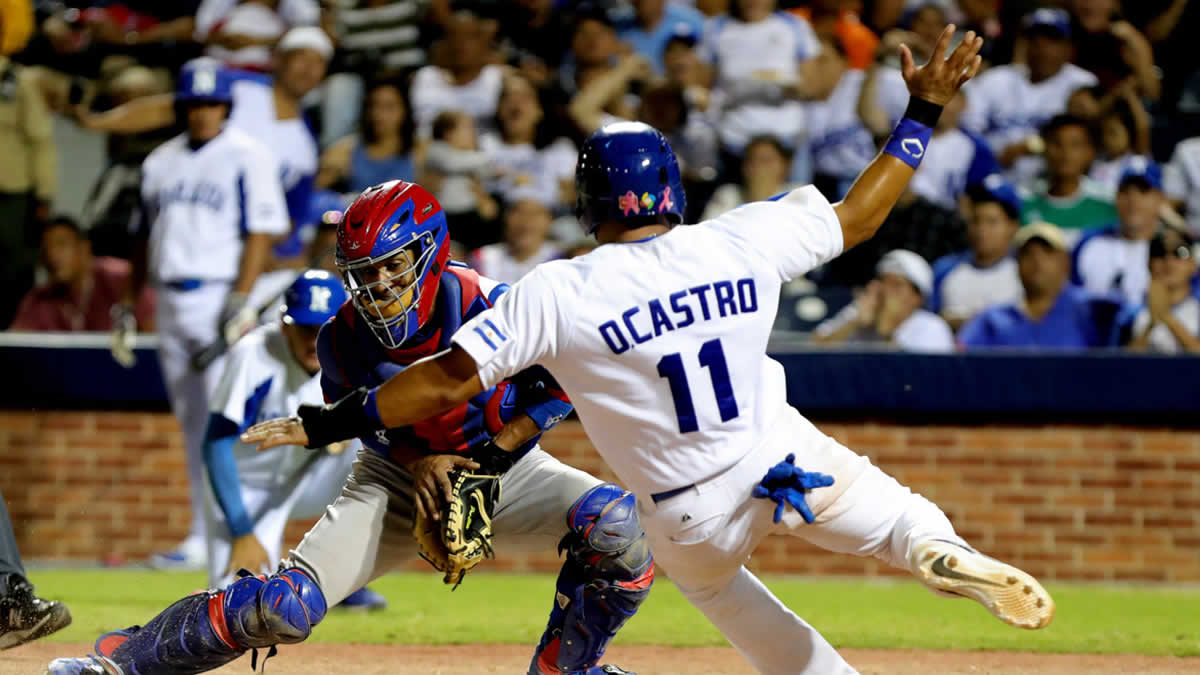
(1065, 502)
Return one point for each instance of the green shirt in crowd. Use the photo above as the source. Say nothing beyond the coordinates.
(1090, 207)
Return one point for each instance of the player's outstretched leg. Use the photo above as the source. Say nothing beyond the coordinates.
(607, 575)
(877, 515)
(206, 630)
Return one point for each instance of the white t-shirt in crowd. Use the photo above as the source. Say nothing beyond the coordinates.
(922, 331)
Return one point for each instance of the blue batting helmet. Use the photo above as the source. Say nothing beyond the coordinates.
(627, 171)
(313, 298)
(204, 80)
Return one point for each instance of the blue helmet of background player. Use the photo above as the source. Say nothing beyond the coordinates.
(392, 246)
(627, 173)
(313, 298)
(203, 80)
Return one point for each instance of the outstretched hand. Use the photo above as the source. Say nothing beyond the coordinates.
(938, 80)
(276, 432)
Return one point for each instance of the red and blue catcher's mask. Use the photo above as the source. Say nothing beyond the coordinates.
(392, 245)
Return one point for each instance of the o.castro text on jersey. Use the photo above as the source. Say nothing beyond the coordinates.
(679, 310)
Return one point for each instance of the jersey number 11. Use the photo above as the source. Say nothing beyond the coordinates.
(713, 358)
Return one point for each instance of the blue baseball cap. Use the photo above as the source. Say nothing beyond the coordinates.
(313, 298)
(1143, 170)
(996, 188)
(1049, 20)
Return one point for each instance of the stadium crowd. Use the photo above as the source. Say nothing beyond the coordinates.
(1056, 206)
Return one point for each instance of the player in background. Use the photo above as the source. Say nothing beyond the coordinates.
(659, 336)
(273, 368)
(407, 302)
(265, 107)
(213, 204)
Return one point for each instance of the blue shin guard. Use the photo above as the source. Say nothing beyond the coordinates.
(606, 576)
(206, 630)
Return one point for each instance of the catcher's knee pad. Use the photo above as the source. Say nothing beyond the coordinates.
(607, 575)
(266, 611)
(206, 630)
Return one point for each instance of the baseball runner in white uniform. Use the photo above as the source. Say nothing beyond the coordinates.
(213, 204)
(659, 338)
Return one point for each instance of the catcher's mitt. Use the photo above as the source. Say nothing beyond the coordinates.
(463, 537)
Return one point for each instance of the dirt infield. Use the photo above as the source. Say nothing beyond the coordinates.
(339, 659)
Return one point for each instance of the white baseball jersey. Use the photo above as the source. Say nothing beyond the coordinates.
(661, 344)
(841, 145)
(201, 203)
(1181, 178)
(262, 381)
(1106, 262)
(751, 106)
(1005, 108)
(291, 140)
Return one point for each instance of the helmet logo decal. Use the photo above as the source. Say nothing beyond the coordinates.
(318, 299)
(628, 202)
(648, 202)
(666, 202)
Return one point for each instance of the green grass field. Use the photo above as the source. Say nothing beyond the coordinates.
(501, 608)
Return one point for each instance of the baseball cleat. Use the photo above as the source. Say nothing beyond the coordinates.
(607, 670)
(89, 665)
(1011, 595)
(25, 617)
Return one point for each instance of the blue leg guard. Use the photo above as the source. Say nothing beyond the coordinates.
(206, 630)
(607, 575)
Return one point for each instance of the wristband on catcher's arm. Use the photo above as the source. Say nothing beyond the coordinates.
(339, 421)
(910, 138)
(492, 458)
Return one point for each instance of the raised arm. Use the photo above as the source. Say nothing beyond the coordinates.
(930, 87)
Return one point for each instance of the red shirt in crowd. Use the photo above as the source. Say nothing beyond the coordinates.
(55, 308)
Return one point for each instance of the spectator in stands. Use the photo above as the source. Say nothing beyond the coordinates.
(653, 23)
(244, 35)
(1112, 49)
(594, 49)
(377, 40)
(80, 289)
(682, 66)
(525, 150)
(840, 144)
(1007, 104)
(1115, 259)
(383, 150)
(466, 82)
(763, 67)
(27, 179)
(454, 170)
(1124, 135)
(1067, 197)
(1169, 319)
(525, 246)
(884, 95)
(836, 20)
(663, 104)
(890, 310)
(766, 164)
(536, 36)
(953, 160)
(1053, 314)
(1181, 180)
(80, 35)
(966, 283)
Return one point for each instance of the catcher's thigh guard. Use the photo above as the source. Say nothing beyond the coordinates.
(607, 575)
(206, 630)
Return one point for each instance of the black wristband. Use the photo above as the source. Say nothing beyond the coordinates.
(339, 421)
(922, 111)
(492, 458)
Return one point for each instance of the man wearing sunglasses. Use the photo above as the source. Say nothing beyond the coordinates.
(1169, 320)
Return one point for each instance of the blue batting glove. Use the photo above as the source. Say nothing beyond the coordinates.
(786, 484)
